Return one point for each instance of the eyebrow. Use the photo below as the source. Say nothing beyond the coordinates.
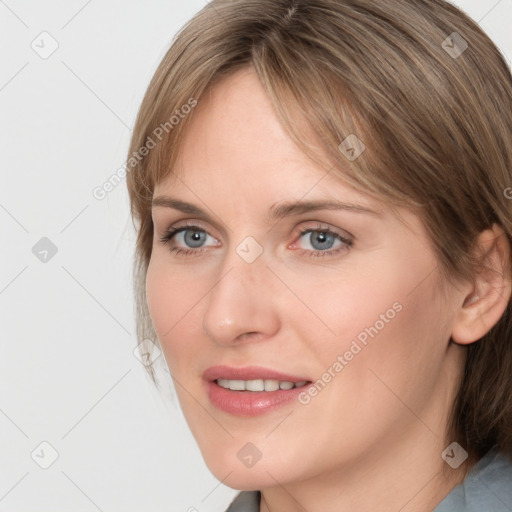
(276, 212)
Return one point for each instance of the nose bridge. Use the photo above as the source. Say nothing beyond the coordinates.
(240, 299)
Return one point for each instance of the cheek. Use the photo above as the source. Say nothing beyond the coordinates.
(384, 315)
(172, 302)
(389, 333)
(160, 297)
(343, 306)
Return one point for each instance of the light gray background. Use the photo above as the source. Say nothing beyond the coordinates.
(69, 376)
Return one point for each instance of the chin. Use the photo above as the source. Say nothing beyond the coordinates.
(246, 480)
(231, 471)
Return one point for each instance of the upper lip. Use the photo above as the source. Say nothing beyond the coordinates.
(248, 373)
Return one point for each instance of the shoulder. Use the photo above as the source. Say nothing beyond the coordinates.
(488, 486)
(246, 501)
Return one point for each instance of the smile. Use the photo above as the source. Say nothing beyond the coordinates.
(259, 384)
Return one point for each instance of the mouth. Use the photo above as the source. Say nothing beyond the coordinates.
(256, 385)
(251, 391)
(252, 378)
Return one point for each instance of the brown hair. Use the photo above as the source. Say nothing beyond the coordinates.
(435, 117)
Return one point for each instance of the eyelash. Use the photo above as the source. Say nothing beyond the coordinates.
(167, 237)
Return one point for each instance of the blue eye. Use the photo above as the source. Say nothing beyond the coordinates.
(192, 237)
(189, 241)
(322, 240)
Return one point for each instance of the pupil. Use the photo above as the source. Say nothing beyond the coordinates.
(195, 239)
(321, 240)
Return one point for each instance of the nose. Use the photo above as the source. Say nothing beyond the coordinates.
(242, 304)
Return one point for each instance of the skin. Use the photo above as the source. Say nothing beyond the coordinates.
(372, 438)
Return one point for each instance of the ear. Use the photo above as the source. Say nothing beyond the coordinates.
(487, 299)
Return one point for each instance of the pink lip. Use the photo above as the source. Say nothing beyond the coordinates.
(247, 373)
(249, 403)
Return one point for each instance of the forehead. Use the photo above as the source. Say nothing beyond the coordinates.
(234, 124)
(235, 141)
(238, 163)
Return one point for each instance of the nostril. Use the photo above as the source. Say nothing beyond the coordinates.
(251, 334)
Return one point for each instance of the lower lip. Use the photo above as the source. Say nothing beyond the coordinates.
(251, 403)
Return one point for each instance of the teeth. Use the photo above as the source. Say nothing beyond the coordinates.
(254, 385)
(258, 384)
(271, 385)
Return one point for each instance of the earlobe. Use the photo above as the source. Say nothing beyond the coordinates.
(485, 304)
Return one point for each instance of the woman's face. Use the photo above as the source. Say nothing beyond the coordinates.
(344, 299)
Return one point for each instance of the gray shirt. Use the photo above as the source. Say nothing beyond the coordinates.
(487, 488)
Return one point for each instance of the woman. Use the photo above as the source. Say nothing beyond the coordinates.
(322, 196)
